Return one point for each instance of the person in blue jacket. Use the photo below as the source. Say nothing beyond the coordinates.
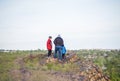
(63, 52)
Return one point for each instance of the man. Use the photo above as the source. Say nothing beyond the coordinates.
(58, 47)
(49, 46)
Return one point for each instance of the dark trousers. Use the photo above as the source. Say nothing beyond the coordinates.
(49, 53)
(63, 56)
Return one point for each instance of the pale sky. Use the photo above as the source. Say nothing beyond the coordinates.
(83, 24)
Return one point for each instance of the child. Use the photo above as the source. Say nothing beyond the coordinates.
(63, 52)
(49, 46)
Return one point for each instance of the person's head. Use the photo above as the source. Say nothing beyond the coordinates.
(59, 35)
(50, 37)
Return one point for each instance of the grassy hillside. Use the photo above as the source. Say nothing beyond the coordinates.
(8, 59)
(20, 65)
(108, 60)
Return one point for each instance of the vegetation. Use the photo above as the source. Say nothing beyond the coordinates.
(108, 60)
(7, 60)
(6, 63)
(67, 67)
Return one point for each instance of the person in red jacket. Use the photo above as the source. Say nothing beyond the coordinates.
(49, 46)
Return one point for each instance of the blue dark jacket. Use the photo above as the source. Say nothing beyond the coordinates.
(63, 50)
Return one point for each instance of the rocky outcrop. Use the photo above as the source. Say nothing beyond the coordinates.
(84, 69)
(87, 70)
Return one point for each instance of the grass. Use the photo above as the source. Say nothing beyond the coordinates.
(67, 67)
(100, 61)
(7, 63)
(111, 61)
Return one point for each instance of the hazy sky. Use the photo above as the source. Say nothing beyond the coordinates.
(26, 24)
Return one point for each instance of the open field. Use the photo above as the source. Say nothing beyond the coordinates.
(32, 65)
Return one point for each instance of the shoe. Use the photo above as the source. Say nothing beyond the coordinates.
(59, 60)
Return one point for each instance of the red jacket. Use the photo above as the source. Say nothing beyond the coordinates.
(49, 44)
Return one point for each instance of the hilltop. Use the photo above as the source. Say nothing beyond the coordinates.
(48, 69)
(80, 65)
